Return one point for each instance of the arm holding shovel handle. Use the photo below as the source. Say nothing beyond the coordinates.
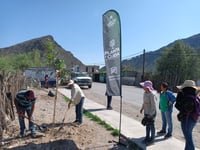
(41, 128)
(22, 113)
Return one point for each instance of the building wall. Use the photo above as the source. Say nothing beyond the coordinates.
(91, 69)
(39, 73)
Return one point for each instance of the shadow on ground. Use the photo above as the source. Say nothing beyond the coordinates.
(137, 143)
(57, 145)
(93, 110)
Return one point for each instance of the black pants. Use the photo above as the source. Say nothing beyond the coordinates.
(109, 100)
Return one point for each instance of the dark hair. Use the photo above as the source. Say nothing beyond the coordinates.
(165, 85)
(30, 94)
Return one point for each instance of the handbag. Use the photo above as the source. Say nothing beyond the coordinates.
(147, 121)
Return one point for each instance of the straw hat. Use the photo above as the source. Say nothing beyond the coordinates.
(187, 83)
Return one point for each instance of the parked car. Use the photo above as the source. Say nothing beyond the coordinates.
(82, 79)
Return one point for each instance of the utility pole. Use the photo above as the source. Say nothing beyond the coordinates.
(143, 65)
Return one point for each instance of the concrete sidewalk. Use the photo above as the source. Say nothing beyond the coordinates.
(130, 128)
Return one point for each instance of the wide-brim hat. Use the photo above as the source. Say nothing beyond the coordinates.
(70, 82)
(147, 84)
(187, 83)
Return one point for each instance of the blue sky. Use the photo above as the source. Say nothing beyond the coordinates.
(76, 25)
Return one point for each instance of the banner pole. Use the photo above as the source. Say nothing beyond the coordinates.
(112, 56)
(120, 119)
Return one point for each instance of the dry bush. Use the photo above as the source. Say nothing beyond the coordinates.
(10, 84)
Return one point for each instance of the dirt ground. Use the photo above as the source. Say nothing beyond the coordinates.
(88, 136)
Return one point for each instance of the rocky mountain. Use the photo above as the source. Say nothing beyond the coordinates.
(39, 44)
(153, 56)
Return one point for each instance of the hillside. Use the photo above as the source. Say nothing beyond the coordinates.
(39, 44)
(153, 56)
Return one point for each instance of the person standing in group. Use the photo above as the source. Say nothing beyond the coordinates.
(186, 103)
(167, 100)
(77, 97)
(25, 102)
(109, 101)
(149, 107)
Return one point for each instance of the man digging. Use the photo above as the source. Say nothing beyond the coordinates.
(25, 102)
(77, 97)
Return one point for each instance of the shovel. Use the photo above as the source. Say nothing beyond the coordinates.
(42, 128)
(65, 116)
(63, 121)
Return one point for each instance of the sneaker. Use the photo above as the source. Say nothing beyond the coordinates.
(33, 135)
(161, 132)
(22, 135)
(76, 121)
(78, 124)
(167, 136)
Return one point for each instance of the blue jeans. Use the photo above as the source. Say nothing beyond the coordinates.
(79, 110)
(187, 126)
(167, 120)
(22, 122)
(150, 128)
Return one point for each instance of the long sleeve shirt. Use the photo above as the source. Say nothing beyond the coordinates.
(149, 104)
(76, 94)
(165, 98)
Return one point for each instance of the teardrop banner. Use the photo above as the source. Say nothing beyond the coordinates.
(112, 52)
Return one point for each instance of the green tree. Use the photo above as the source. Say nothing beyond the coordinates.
(177, 64)
(5, 64)
(36, 58)
(21, 61)
(55, 62)
(52, 54)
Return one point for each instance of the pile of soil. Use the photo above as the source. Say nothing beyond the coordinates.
(59, 135)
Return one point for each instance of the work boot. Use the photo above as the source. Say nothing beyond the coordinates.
(109, 108)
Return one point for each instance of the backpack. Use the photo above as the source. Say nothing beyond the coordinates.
(188, 105)
(196, 112)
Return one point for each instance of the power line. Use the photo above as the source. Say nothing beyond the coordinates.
(123, 58)
(133, 55)
(148, 53)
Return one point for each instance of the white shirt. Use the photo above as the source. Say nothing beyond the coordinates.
(76, 94)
